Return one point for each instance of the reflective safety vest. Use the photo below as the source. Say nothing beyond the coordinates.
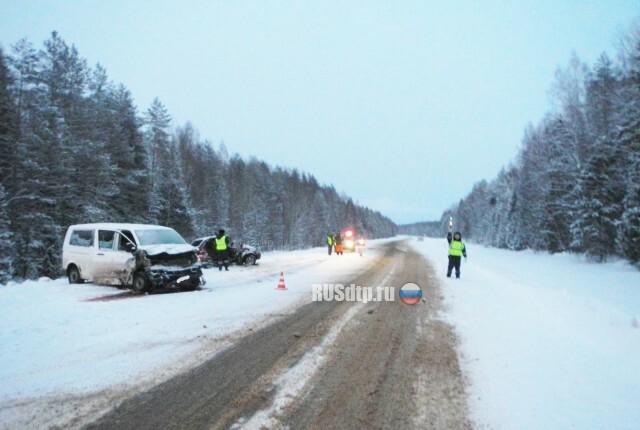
(455, 248)
(329, 240)
(221, 244)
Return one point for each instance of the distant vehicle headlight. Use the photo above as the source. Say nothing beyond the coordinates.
(348, 243)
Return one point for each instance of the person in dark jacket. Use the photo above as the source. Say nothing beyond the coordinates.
(338, 242)
(457, 250)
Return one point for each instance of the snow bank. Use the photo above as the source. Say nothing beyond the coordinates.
(546, 341)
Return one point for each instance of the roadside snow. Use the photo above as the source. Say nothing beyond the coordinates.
(54, 342)
(547, 341)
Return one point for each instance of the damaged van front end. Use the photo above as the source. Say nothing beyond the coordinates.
(163, 268)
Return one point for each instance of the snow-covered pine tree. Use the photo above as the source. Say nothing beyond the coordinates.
(63, 75)
(255, 216)
(530, 189)
(560, 171)
(197, 163)
(628, 122)
(599, 190)
(8, 164)
(131, 156)
(7, 249)
(169, 198)
(157, 122)
(34, 207)
(273, 236)
(239, 197)
(597, 211)
(8, 127)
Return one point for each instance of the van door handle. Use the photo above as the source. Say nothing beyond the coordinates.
(100, 253)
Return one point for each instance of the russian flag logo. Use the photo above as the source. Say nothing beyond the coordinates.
(410, 293)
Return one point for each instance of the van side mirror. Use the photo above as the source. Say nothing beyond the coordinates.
(130, 247)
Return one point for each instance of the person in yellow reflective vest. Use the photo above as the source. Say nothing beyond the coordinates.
(457, 250)
(221, 250)
(330, 242)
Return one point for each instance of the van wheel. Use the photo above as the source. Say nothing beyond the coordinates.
(140, 284)
(250, 260)
(74, 275)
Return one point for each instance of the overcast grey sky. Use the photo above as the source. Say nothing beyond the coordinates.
(402, 105)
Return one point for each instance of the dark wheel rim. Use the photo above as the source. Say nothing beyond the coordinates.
(74, 276)
(250, 259)
(139, 284)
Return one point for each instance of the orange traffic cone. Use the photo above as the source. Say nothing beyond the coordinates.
(281, 285)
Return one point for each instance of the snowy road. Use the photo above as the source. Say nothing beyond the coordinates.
(545, 341)
(328, 365)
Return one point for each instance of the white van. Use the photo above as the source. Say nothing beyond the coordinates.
(143, 257)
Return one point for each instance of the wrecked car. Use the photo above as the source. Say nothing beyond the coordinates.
(145, 258)
(242, 255)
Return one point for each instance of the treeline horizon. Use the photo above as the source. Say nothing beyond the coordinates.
(74, 149)
(575, 185)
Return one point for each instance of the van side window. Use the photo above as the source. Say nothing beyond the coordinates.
(125, 238)
(81, 238)
(105, 239)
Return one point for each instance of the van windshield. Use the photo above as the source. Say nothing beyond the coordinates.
(160, 236)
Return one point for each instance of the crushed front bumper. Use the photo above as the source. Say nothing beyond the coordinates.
(175, 278)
